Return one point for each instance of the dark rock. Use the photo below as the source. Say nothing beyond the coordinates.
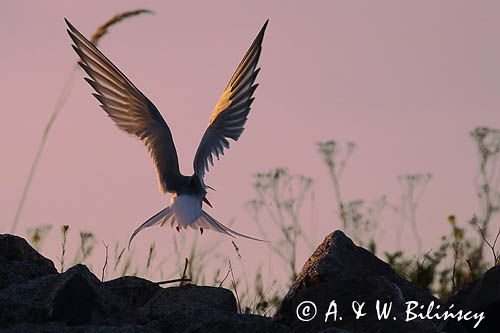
(333, 330)
(35, 298)
(41, 300)
(74, 297)
(79, 298)
(201, 320)
(341, 271)
(360, 289)
(482, 295)
(32, 328)
(179, 308)
(62, 328)
(241, 324)
(134, 292)
(186, 297)
(19, 262)
(76, 301)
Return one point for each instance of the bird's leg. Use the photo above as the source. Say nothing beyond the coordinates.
(201, 231)
(178, 229)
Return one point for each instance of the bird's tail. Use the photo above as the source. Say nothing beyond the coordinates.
(167, 216)
(208, 222)
(159, 218)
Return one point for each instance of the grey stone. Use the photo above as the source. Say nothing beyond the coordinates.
(74, 297)
(241, 324)
(19, 262)
(179, 308)
(342, 272)
(482, 295)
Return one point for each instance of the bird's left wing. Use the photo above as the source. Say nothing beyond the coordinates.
(129, 108)
(231, 111)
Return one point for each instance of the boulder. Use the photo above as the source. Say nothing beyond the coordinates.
(74, 297)
(187, 298)
(342, 272)
(62, 328)
(178, 308)
(19, 262)
(34, 297)
(133, 293)
(242, 324)
(482, 295)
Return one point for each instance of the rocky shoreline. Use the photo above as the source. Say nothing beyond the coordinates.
(34, 297)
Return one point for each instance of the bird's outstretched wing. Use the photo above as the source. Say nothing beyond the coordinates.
(231, 111)
(131, 111)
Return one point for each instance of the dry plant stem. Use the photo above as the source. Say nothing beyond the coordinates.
(196, 257)
(413, 216)
(64, 232)
(487, 178)
(402, 218)
(147, 284)
(263, 297)
(233, 282)
(282, 196)
(495, 255)
(186, 261)
(174, 281)
(151, 256)
(61, 101)
(103, 29)
(237, 249)
(282, 227)
(225, 277)
(485, 240)
(118, 259)
(455, 251)
(484, 187)
(105, 261)
(340, 204)
(290, 238)
(126, 266)
(414, 186)
(470, 269)
(262, 231)
(329, 152)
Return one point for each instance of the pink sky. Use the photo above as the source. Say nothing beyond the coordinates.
(405, 81)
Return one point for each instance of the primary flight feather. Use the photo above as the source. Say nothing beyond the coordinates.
(135, 114)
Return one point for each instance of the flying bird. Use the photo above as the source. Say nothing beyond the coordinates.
(136, 115)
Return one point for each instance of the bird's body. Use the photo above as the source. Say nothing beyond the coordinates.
(186, 209)
(135, 114)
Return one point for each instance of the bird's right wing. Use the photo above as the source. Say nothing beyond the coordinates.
(131, 111)
(230, 114)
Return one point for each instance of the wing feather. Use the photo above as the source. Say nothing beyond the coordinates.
(230, 114)
(129, 108)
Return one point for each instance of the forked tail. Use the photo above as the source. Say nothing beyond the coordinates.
(159, 218)
(205, 221)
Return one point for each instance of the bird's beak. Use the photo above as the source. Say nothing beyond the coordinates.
(205, 200)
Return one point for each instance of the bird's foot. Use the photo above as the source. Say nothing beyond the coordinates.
(201, 231)
(178, 229)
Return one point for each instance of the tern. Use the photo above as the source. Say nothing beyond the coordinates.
(135, 114)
